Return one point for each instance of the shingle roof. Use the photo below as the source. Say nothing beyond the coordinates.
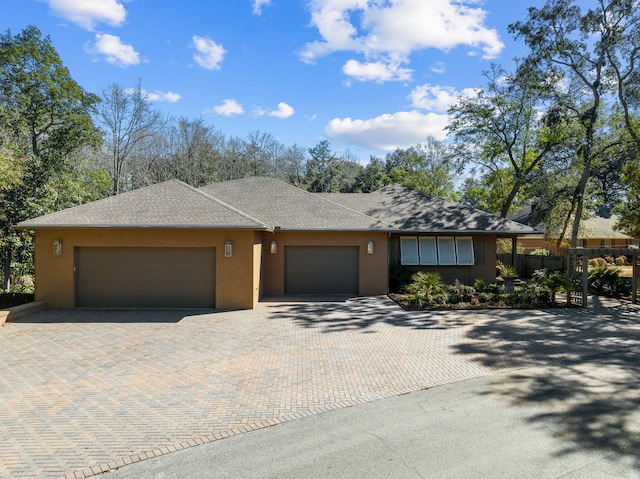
(286, 207)
(412, 211)
(171, 204)
(267, 203)
(599, 226)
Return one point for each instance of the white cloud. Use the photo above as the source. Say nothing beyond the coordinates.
(375, 71)
(208, 54)
(159, 96)
(156, 96)
(258, 4)
(229, 107)
(439, 67)
(389, 131)
(114, 50)
(389, 31)
(437, 98)
(88, 13)
(283, 111)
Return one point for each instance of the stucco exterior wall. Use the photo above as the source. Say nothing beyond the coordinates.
(372, 268)
(236, 286)
(484, 247)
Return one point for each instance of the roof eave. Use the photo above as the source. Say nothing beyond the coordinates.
(144, 226)
(475, 232)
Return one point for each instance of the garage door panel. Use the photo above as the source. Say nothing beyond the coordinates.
(145, 277)
(321, 270)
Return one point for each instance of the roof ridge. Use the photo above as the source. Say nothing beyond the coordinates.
(315, 195)
(220, 202)
(360, 213)
(450, 202)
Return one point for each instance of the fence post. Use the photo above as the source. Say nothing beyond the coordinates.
(585, 279)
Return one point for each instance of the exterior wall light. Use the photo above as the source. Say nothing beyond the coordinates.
(57, 248)
(370, 247)
(228, 249)
(274, 247)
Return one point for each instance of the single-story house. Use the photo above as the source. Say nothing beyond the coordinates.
(228, 244)
(597, 231)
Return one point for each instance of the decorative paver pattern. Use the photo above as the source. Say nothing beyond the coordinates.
(83, 392)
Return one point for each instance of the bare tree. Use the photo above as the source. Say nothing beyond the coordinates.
(127, 118)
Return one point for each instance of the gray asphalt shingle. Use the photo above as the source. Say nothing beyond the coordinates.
(412, 211)
(168, 204)
(284, 206)
(267, 203)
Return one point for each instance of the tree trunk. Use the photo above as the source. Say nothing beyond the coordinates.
(586, 173)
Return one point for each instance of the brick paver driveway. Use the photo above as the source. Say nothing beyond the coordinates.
(83, 392)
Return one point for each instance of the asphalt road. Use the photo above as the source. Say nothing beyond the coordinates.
(575, 420)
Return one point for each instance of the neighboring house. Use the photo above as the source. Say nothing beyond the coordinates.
(226, 245)
(596, 232)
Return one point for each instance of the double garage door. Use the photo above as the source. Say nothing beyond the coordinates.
(145, 277)
(321, 270)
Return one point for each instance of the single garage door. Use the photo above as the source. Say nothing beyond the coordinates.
(321, 270)
(145, 277)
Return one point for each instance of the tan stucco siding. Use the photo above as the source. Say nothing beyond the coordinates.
(236, 287)
(257, 267)
(372, 268)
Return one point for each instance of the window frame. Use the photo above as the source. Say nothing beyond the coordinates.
(469, 241)
(442, 242)
(414, 250)
(434, 249)
(403, 240)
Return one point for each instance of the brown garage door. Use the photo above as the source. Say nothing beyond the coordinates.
(145, 277)
(321, 270)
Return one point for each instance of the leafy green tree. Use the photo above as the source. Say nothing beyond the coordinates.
(629, 210)
(426, 167)
(507, 131)
(45, 116)
(327, 173)
(372, 177)
(578, 45)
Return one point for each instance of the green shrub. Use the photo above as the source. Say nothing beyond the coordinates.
(554, 282)
(597, 263)
(426, 289)
(494, 288)
(485, 297)
(541, 252)
(525, 295)
(621, 260)
(479, 285)
(606, 280)
(505, 269)
(465, 292)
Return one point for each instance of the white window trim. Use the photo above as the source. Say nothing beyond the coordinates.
(443, 253)
(465, 240)
(403, 241)
(426, 248)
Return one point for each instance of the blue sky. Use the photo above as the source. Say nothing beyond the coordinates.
(366, 75)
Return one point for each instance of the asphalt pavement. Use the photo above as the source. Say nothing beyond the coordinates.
(538, 422)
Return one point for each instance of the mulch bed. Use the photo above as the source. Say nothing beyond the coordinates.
(403, 301)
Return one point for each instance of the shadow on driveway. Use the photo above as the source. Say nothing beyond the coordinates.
(52, 316)
(586, 370)
(349, 313)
